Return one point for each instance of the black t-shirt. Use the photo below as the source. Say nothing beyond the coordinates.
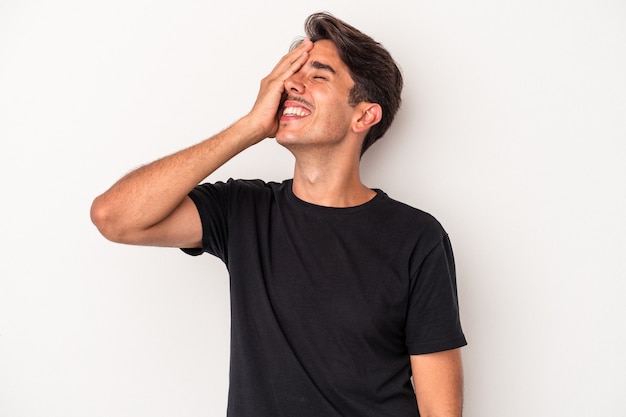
(327, 303)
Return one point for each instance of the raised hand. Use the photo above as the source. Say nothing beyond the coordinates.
(264, 113)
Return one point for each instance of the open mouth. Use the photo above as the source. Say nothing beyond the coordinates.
(294, 109)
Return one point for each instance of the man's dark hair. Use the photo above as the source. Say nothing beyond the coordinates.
(376, 76)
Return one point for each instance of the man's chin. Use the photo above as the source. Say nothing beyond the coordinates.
(283, 137)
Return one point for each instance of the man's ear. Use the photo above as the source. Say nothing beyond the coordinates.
(367, 115)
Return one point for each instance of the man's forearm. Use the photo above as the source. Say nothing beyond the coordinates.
(438, 380)
(147, 195)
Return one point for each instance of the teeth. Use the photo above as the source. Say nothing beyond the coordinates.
(295, 111)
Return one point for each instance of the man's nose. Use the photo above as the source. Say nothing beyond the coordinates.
(295, 84)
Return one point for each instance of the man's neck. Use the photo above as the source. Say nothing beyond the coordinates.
(330, 182)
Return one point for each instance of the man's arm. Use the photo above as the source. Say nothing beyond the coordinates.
(150, 206)
(438, 380)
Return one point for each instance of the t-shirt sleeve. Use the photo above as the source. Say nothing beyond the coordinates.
(213, 204)
(433, 322)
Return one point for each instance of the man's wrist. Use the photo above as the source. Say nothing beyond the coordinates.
(250, 130)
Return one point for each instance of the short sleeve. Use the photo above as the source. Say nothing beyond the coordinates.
(213, 202)
(433, 321)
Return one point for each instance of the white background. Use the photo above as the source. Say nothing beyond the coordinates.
(512, 133)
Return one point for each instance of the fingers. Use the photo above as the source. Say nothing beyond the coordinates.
(293, 61)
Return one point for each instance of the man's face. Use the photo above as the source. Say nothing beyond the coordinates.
(316, 111)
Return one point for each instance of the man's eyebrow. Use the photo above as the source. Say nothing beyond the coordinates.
(319, 65)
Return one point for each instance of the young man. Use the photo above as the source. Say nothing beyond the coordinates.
(338, 293)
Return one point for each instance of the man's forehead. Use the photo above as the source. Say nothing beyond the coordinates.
(325, 46)
(324, 55)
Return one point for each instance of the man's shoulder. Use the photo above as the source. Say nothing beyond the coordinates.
(409, 211)
(408, 217)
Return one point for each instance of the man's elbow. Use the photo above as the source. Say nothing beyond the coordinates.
(108, 224)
